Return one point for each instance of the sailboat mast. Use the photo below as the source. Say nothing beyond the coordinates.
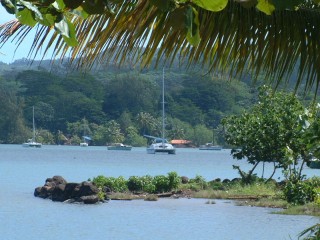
(163, 116)
(33, 127)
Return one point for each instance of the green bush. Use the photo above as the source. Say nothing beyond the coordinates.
(299, 192)
(161, 183)
(99, 181)
(135, 184)
(217, 185)
(115, 184)
(200, 181)
(147, 184)
(120, 184)
(174, 180)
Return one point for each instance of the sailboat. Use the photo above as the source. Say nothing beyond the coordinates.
(32, 142)
(85, 141)
(161, 144)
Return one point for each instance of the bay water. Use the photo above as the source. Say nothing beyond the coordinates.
(24, 217)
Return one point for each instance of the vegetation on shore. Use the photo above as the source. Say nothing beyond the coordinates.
(257, 193)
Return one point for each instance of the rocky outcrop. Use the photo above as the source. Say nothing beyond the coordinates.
(58, 189)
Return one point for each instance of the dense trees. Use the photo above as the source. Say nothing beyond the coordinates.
(114, 105)
(278, 129)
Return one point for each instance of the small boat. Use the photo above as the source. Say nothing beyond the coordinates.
(84, 144)
(119, 146)
(210, 146)
(160, 144)
(314, 163)
(32, 142)
(85, 141)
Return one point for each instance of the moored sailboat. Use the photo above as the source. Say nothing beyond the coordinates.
(32, 142)
(161, 144)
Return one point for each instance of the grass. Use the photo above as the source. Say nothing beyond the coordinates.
(311, 209)
(258, 194)
(239, 191)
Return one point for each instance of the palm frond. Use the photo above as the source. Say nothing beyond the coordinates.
(236, 40)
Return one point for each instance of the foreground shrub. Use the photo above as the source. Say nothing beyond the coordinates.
(174, 180)
(299, 192)
(114, 184)
(99, 181)
(161, 183)
(135, 184)
(147, 184)
(200, 182)
(312, 233)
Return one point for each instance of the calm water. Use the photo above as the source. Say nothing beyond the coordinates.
(23, 216)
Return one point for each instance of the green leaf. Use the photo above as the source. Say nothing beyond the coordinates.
(193, 35)
(25, 16)
(59, 4)
(72, 3)
(10, 6)
(80, 12)
(62, 27)
(48, 20)
(265, 6)
(178, 18)
(32, 8)
(93, 6)
(67, 30)
(211, 5)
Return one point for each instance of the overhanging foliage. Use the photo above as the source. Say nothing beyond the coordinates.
(269, 37)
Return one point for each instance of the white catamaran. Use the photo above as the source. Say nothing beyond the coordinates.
(32, 142)
(161, 144)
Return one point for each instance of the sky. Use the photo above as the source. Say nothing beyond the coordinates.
(8, 52)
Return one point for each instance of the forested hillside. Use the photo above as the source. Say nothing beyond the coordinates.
(113, 104)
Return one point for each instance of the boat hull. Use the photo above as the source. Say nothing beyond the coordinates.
(127, 148)
(210, 146)
(160, 148)
(32, 145)
(119, 147)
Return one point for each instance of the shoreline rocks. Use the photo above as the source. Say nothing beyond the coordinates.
(59, 190)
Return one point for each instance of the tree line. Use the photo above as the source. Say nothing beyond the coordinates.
(113, 104)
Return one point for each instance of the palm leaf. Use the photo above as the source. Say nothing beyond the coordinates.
(235, 40)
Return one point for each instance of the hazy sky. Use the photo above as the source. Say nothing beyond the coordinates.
(8, 52)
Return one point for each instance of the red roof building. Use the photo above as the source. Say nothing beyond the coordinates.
(181, 143)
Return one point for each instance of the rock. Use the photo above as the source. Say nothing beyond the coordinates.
(57, 180)
(226, 181)
(184, 179)
(59, 194)
(92, 199)
(72, 190)
(87, 188)
(58, 189)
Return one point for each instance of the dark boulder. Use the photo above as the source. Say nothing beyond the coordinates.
(59, 194)
(184, 179)
(56, 180)
(92, 199)
(72, 190)
(58, 189)
(87, 189)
